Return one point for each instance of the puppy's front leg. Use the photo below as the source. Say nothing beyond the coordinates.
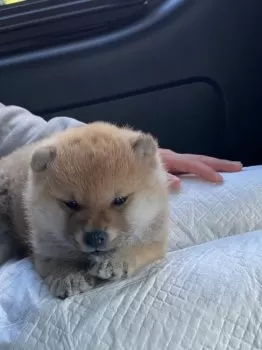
(8, 247)
(125, 262)
(64, 278)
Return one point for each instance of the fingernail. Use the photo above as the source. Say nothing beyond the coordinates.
(174, 184)
(175, 187)
(219, 178)
(238, 165)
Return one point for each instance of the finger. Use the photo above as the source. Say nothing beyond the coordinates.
(223, 165)
(173, 182)
(200, 169)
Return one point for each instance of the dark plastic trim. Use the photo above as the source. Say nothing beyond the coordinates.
(161, 10)
(43, 24)
(138, 92)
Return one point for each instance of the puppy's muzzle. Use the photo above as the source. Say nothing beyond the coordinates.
(98, 240)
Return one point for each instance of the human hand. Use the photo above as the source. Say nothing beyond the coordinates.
(205, 167)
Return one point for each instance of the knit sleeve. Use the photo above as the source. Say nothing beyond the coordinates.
(18, 127)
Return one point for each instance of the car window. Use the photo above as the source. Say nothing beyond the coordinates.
(33, 24)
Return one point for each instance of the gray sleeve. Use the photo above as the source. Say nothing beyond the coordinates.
(19, 127)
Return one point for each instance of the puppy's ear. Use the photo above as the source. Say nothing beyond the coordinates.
(42, 157)
(144, 145)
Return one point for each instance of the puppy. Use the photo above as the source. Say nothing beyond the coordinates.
(87, 204)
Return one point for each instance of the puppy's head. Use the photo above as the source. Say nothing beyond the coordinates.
(98, 187)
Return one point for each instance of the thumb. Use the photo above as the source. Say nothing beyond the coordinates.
(173, 182)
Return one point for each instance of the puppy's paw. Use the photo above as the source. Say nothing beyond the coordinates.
(108, 267)
(70, 285)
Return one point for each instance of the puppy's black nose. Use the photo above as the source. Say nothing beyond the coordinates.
(96, 239)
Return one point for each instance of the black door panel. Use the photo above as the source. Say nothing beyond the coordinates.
(160, 112)
(219, 40)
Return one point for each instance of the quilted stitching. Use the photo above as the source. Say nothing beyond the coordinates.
(189, 303)
(202, 212)
(205, 296)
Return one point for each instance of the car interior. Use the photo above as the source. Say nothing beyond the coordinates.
(188, 71)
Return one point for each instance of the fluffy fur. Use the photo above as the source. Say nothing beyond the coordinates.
(91, 165)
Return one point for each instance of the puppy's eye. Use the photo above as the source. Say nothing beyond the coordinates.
(73, 205)
(118, 201)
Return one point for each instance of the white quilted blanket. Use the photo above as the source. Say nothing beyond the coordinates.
(207, 295)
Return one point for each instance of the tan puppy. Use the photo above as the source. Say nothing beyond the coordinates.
(88, 203)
